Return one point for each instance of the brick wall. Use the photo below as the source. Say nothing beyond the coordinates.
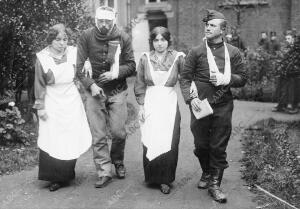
(273, 17)
(187, 27)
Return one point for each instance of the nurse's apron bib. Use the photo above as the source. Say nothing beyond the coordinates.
(65, 134)
(160, 110)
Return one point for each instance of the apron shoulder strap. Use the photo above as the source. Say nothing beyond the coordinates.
(45, 61)
(72, 54)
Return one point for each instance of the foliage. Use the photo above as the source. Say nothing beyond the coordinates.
(262, 69)
(23, 28)
(19, 156)
(11, 127)
(271, 161)
(290, 64)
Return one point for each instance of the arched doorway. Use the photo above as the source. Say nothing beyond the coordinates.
(156, 18)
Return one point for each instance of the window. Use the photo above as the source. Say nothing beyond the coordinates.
(110, 3)
(155, 1)
(242, 2)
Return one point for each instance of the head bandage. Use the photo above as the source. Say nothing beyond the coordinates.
(105, 13)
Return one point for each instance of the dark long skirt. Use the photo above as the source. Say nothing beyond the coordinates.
(55, 170)
(162, 169)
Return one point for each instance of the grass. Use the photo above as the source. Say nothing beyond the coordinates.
(272, 161)
(17, 157)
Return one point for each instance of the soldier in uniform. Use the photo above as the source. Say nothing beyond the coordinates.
(110, 53)
(215, 66)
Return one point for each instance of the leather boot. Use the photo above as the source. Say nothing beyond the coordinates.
(214, 186)
(204, 163)
(204, 180)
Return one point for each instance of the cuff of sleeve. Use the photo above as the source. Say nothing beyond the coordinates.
(234, 79)
(87, 82)
(120, 74)
(188, 101)
(39, 104)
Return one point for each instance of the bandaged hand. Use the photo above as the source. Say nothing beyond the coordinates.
(217, 79)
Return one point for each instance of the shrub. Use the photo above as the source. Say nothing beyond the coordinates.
(262, 69)
(23, 28)
(11, 127)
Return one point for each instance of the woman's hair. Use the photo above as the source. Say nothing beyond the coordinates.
(164, 32)
(55, 30)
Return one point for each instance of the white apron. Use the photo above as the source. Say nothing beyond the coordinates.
(65, 134)
(160, 111)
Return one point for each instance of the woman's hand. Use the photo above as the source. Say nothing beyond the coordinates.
(193, 90)
(42, 114)
(142, 114)
(96, 90)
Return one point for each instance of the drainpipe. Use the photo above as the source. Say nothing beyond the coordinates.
(177, 23)
(128, 12)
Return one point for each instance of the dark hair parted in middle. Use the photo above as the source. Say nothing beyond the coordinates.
(55, 30)
(164, 32)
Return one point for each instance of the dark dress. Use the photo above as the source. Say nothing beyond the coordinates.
(161, 169)
(55, 170)
(57, 166)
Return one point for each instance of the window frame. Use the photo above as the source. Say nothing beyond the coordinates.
(156, 1)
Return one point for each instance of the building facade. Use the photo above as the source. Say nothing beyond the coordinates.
(184, 18)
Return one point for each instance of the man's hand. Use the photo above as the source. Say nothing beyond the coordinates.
(196, 104)
(42, 114)
(96, 90)
(142, 114)
(105, 77)
(216, 79)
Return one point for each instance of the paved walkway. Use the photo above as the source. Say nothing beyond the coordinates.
(24, 191)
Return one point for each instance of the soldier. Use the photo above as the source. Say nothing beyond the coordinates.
(110, 53)
(215, 66)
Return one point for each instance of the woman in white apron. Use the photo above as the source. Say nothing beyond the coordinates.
(64, 133)
(154, 89)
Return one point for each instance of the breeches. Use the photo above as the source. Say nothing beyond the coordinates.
(211, 136)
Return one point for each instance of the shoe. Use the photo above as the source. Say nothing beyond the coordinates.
(203, 182)
(292, 110)
(277, 109)
(103, 181)
(120, 171)
(214, 186)
(217, 194)
(165, 188)
(54, 186)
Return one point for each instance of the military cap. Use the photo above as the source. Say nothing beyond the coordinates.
(213, 14)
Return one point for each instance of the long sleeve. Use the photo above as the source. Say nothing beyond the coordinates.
(127, 65)
(186, 75)
(180, 65)
(238, 74)
(82, 55)
(39, 86)
(140, 84)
